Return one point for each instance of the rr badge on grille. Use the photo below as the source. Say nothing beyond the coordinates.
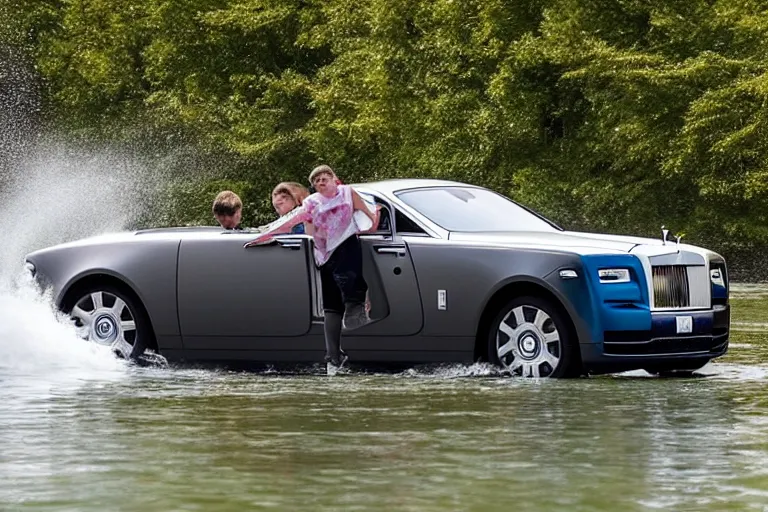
(684, 324)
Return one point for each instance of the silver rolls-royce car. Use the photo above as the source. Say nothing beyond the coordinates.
(456, 273)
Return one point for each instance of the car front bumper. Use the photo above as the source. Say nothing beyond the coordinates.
(661, 346)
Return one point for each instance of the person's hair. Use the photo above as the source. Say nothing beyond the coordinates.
(321, 169)
(300, 192)
(296, 191)
(226, 203)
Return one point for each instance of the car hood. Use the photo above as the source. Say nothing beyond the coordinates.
(578, 242)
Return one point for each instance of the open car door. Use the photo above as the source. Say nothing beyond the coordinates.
(392, 285)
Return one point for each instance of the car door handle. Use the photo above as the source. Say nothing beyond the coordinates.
(290, 244)
(388, 249)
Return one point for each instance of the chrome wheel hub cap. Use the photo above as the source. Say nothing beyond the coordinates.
(105, 329)
(528, 342)
(104, 318)
(529, 346)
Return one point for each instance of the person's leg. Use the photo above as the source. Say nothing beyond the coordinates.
(348, 274)
(332, 331)
(333, 309)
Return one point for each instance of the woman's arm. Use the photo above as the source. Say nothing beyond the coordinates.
(281, 225)
(375, 226)
(358, 203)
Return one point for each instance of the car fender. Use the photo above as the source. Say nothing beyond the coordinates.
(573, 295)
(469, 276)
(148, 268)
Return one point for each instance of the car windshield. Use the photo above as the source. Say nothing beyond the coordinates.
(472, 209)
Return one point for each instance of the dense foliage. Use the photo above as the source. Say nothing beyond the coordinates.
(607, 115)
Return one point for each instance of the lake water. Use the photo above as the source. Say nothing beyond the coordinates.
(80, 430)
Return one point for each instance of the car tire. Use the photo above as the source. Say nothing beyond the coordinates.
(529, 337)
(110, 315)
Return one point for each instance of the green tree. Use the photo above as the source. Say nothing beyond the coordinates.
(617, 116)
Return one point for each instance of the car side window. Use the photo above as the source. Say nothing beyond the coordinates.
(385, 223)
(404, 225)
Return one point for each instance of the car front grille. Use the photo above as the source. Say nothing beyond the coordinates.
(670, 287)
(680, 286)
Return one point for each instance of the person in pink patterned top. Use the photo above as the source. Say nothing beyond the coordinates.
(337, 252)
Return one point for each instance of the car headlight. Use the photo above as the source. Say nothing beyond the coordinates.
(614, 275)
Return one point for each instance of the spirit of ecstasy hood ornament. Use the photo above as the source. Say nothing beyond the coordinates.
(665, 233)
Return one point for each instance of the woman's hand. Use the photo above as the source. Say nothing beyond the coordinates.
(262, 239)
(376, 218)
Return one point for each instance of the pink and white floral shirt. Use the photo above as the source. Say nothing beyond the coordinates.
(332, 219)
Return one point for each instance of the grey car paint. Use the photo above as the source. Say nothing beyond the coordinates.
(208, 298)
(146, 265)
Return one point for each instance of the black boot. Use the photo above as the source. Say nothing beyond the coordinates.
(334, 356)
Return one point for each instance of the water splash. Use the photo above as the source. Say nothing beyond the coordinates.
(51, 192)
(58, 194)
(20, 108)
(454, 371)
(36, 341)
(57, 197)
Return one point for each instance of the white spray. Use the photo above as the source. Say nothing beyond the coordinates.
(53, 197)
(50, 193)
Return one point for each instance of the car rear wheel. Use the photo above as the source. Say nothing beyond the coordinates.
(529, 338)
(109, 316)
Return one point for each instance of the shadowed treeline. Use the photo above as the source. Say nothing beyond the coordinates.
(606, 116)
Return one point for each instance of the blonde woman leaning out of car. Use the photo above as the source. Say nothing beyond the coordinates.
(286, 197)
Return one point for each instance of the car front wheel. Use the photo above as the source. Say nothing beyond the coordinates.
(529, 338)
(109, 316)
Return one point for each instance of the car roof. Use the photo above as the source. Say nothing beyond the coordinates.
(395, 185)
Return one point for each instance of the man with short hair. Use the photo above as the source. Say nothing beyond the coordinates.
(228, 209)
